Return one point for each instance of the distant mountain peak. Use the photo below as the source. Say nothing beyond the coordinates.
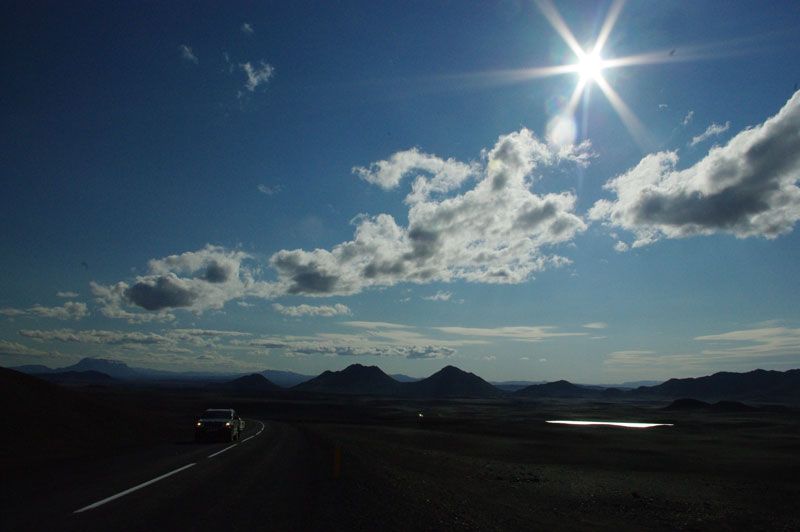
(354, 379)
(253, 382)
(560, 388)
(114, 368)
(451, 381)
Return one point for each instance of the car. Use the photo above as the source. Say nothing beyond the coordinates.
(219, 424)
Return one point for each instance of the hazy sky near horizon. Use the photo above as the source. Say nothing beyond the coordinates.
(304, 185)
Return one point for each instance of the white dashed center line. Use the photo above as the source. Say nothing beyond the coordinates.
(222, 451)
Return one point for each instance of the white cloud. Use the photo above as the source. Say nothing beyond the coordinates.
(688, 118)
(740, 350)
(14, 349)
(621, 357)
(712, 130)
(596, 325)
(93, 336)
(621, 246)
(439, 296)
(207, 338)
(403, 351)
(375, 325)
(67, 294)
(257, 75)
(269, 191)
(747, 187)
(519, 334)
(187, 54)
(71, 310)
(192, 333)
(308, 310)
(447, 174)
(370, 339)
(497, 232)
(247, 29)
(755, 343)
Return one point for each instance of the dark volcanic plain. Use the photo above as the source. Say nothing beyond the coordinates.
(466, 464)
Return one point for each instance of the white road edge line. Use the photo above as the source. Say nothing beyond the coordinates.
(131, 490)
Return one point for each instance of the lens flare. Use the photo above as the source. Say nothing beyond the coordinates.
(561, 131)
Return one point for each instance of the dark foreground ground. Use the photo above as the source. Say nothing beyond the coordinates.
(465, 465)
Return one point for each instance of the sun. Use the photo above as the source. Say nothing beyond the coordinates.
(590, 67)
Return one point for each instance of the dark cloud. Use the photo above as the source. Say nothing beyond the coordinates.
(160, 293)
(217, 272)
(424, 244)
(194, 280)
(308, 281)
(727, 209)
(380, 268)
(530, 218)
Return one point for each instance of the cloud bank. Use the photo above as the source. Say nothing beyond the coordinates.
(497, 232)
(308, 310)
(746, 188)
(195, 281)
(71, 310)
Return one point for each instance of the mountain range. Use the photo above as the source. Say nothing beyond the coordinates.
(120, 370)
(757, 385)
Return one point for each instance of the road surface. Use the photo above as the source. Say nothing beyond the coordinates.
(272, 479)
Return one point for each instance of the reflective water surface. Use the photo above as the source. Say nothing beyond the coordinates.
(613, 423)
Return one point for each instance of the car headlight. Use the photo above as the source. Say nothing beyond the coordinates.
(227, 423)
(199, 423)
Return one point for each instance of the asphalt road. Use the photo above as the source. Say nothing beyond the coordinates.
(273, 478)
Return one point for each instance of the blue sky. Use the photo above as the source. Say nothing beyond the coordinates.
(306, 185)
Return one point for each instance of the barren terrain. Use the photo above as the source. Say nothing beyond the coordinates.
(465, 464)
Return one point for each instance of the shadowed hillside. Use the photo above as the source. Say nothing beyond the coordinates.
(371, 380)
(452, 382)
(78, 377)
(355, 379)
(757, 385)
(249, 383)
(560, 388)
(65, 421)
